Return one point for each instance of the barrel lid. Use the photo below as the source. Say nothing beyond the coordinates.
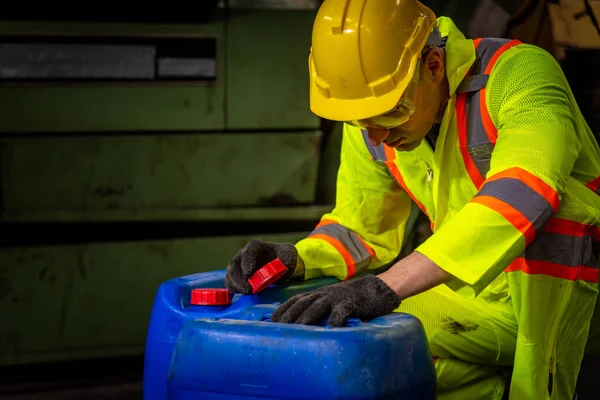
(267, 275)
(210, 297)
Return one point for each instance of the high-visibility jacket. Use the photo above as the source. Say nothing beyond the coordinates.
(511, 187)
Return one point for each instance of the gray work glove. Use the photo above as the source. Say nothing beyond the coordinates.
(363, 298)
(253, 257)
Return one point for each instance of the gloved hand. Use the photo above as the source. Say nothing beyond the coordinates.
(364, 298)
(253, 257)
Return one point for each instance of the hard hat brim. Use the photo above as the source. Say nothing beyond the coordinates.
(348, 110)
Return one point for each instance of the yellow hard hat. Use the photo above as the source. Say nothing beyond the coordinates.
(364, 55)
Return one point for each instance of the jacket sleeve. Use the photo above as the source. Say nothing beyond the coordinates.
(530, 104)
(365, 230)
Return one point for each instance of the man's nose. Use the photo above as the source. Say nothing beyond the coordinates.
(377, 136)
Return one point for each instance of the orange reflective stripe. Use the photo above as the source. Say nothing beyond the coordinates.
(512, 215)
(588, 274)
(497, 55)
(533, 267)
(350, 264)
(390, 156)
(566, 227)
(355, 251)
(534, 182)
(326, 221)
(594, 232)
(486, 119)
(563, 249)
(369, 248)
(476, 130)
(594, 185)
(572, 228)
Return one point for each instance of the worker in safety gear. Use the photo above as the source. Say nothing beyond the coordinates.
(486, 138)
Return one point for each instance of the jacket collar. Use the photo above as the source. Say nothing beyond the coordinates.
(460, 52)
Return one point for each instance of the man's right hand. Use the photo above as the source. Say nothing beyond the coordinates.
(253, 257)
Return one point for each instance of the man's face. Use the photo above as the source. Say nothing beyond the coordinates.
(431, 94)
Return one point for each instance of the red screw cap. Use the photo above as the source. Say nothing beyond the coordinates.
(267, 275)
(210, 297)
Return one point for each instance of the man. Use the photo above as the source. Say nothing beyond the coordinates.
(486, 137)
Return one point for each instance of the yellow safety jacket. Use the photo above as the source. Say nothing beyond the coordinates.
(512, 187)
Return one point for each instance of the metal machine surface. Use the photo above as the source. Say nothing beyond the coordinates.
(131, 153)
(140, 150)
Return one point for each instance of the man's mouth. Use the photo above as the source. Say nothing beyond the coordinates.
(396, 143)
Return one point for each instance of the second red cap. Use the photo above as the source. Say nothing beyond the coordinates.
(210, 297)
(267, 275)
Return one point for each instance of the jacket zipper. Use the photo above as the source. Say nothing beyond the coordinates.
(429, 175)
(429, 169)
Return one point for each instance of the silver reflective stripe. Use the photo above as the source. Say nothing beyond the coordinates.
(565, 250)
(477, 79)
(350, 241)
(514, 192)
(555, 248)
(473, 83)
(478, 144)
(591, 252)
(378, 153)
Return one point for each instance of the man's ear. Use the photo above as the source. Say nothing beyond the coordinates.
(433, 61)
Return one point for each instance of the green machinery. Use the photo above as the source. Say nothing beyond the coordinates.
(132, 153)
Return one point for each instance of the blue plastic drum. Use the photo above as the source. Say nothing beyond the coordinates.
(234, 351)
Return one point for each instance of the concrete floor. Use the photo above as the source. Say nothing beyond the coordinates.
(121, 379)
(116, 391)
(118, 379)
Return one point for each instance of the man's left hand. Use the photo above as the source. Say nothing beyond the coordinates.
(363, 298)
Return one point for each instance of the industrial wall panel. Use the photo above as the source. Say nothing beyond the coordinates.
(94, 300)
(157, 172)
(267, 69)
(250, 214)
(75, 87)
